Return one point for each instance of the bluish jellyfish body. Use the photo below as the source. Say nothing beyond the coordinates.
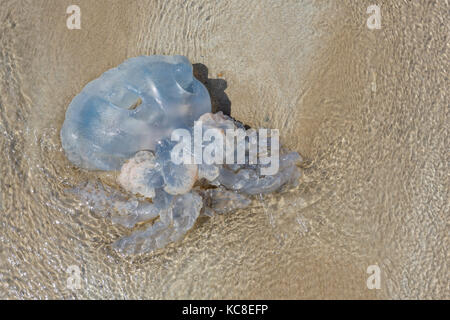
(130, 108)
(124, 121)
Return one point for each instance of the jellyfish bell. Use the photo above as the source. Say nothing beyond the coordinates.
(130, 108)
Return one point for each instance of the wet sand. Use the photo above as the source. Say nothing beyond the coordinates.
(367, 109)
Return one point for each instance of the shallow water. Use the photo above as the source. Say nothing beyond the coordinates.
(367, 109)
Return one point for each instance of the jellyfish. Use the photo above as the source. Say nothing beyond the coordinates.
(125, 121)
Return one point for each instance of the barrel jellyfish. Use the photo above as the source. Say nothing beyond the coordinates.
(126, 121)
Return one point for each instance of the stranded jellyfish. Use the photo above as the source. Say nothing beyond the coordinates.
(150, 120)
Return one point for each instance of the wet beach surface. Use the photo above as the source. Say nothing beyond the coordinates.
(367, 109)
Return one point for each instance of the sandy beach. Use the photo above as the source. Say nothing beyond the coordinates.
(366, 109)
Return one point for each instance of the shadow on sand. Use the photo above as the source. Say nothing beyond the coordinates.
(216, 89)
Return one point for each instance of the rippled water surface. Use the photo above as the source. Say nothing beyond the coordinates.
(367, 109)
